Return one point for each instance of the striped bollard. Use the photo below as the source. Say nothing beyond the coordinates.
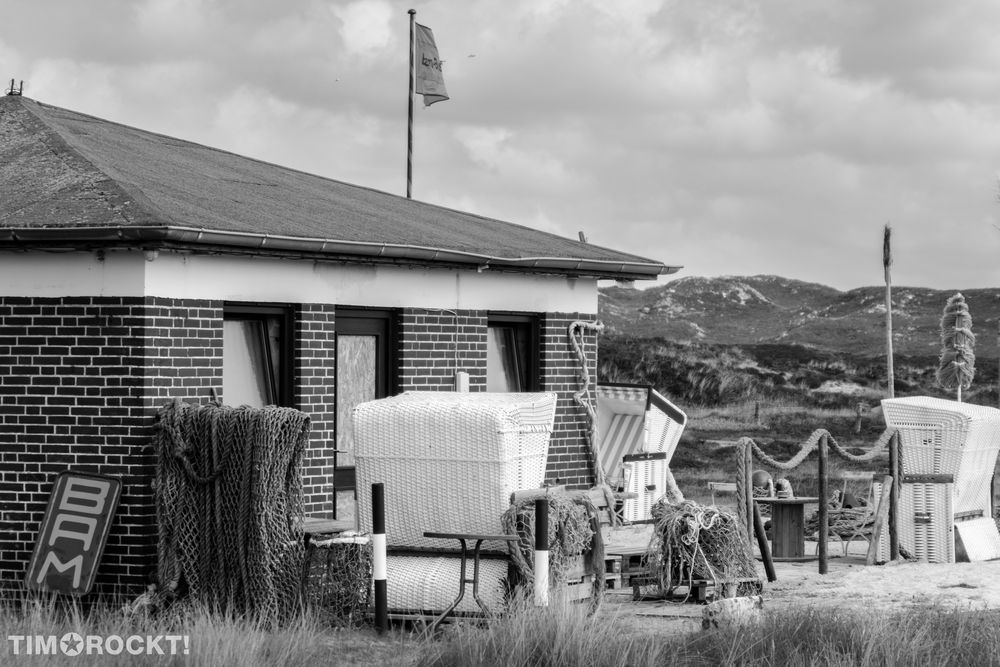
(378, 557)
(542, 552)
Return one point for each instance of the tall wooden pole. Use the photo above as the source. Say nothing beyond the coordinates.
(824, 510)
(409, 115)
(748, 476)
(886, 263)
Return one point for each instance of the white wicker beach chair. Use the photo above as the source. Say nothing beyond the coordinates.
(637, 431)
(450, 463)
(948, 451)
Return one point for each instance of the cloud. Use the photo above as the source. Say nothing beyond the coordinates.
(365, 27)
(733, 136)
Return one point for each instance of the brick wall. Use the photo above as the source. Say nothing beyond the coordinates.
(433, 344)
(315, 386)
(72, 395)
(569, 457)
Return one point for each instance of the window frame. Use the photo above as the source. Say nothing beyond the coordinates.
(261, 312)
(357, 321)
(531, 324)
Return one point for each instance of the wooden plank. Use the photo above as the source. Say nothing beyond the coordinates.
(856, 475)
(312, 525)
(881, 517)
(697, 592)
(575, 568)
(645, 456)
(765, 549)
(579, 590)
(722, 487)
(532, 494)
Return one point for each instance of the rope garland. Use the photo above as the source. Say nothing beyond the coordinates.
(746, 449)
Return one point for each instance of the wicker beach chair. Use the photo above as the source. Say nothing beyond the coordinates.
(849, 524)
(948, 452)
(637, 431)
(450, 463)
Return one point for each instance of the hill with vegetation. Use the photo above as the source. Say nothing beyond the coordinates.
(712, 341)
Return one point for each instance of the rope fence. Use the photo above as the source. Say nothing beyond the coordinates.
(821, 442)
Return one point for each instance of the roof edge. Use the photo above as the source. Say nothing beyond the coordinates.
(152, 236)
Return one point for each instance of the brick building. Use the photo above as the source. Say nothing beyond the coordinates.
(137, 268)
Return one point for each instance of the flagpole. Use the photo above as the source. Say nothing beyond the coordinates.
(409, 117)
(886, 264)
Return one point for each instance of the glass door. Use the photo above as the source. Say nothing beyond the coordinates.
(364, 373)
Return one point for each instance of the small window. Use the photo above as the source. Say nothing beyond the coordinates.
(512, 353)
(255, 357)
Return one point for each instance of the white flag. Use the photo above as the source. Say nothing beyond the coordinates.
(429, 81)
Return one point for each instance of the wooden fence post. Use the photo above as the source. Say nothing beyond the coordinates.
(897, 481)
(824, 519)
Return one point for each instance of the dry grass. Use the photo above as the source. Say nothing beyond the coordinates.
(564, 635)
(213, 638)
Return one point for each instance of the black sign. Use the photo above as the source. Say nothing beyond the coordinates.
(73, 532)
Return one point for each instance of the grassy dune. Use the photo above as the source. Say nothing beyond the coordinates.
(562, 634)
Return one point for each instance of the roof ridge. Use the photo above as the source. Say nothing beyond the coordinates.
(62, 148)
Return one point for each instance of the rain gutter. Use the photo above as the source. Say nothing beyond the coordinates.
(266, 243)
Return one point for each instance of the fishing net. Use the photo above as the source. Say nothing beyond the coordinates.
(337, 579)
(228, 495)
(693, 542)
(573, 534)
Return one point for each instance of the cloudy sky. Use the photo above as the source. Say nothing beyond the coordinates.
(731, 137)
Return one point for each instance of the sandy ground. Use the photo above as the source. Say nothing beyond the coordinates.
(848, 584)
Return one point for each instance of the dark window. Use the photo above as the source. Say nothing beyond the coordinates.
(512, 353)
(256, 356)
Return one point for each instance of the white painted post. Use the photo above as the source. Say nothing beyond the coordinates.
(378, 558)
(542, 552)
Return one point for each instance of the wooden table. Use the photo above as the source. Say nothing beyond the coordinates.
(788, 527)
(312, 526)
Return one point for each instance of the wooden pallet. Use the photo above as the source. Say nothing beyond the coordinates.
(629, 564)
(579, 589)
(612, 572)
(581, 581)
(700, 590)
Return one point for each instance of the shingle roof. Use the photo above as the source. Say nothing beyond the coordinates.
(68, 178)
